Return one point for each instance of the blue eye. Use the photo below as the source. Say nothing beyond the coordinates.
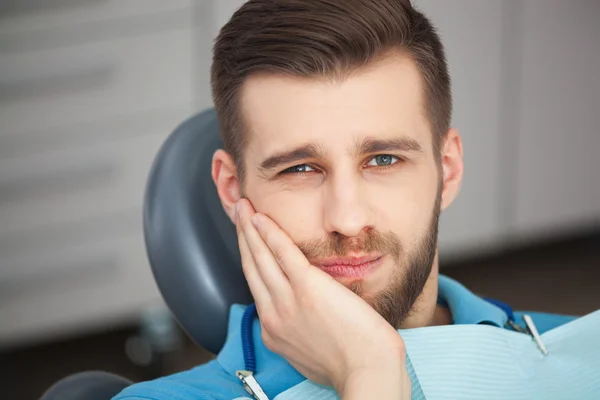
(383, 160)
(298, 169)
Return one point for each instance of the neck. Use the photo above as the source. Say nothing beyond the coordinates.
(426, 311)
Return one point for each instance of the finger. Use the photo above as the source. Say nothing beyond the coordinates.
(286, 253)
(259, 290)
(270, 271)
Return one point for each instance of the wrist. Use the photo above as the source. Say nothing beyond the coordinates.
(377, 383)
(385, 364)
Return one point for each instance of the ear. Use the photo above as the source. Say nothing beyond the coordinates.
(224, 175)
(452, 166)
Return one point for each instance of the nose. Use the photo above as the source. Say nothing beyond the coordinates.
(346, 210)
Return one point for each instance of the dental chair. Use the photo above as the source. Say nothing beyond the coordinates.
(192, 248)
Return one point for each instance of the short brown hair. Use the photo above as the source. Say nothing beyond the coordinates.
(322, 38)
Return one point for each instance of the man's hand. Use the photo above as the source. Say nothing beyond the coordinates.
(323, 329)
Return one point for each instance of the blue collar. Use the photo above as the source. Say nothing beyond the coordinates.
(276, 375)
(466, 307)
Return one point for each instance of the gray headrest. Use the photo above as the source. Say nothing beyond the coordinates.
(191, 243)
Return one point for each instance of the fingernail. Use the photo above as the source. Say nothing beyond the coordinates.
(238, 208)
(256, 221)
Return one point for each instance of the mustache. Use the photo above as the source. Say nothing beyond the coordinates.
(338, 245)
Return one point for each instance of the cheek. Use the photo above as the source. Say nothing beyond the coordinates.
(405, 207)
(295, 214)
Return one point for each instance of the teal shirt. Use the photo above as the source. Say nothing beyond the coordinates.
(216, 380)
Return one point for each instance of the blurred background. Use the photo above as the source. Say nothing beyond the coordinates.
(89, 89)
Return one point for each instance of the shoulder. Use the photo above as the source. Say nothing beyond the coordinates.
(545, 321)
(206, 382)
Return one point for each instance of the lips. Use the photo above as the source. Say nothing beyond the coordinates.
(349, 267)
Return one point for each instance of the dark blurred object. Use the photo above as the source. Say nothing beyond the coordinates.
(29, 372)
(92, 385)
(26, 373)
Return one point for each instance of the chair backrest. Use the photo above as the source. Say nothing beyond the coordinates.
(191, 243)
(90, 385)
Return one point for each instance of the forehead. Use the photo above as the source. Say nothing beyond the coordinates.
(384, 100)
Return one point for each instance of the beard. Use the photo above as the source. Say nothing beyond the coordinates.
(411, 266)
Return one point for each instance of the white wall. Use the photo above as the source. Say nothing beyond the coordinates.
(557, 157)
(88, 93)
(475, 63)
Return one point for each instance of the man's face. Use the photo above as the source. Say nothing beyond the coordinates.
(348, 170)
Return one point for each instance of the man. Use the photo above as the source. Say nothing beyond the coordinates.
(338, 160)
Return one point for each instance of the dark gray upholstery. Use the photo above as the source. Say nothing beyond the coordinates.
(191, 243)
(91, 385)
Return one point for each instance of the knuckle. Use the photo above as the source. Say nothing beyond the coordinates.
(268, 341)
(285, 309)
(260, 256)
(269, 324)
(305, 299)
(304, 294)
(267, 236)
(279, 255)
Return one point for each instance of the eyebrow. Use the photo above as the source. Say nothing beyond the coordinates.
(303, 152)
(372, 145)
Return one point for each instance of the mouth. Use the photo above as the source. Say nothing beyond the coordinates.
(349, 267)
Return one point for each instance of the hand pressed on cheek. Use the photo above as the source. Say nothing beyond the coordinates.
(320, 342)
